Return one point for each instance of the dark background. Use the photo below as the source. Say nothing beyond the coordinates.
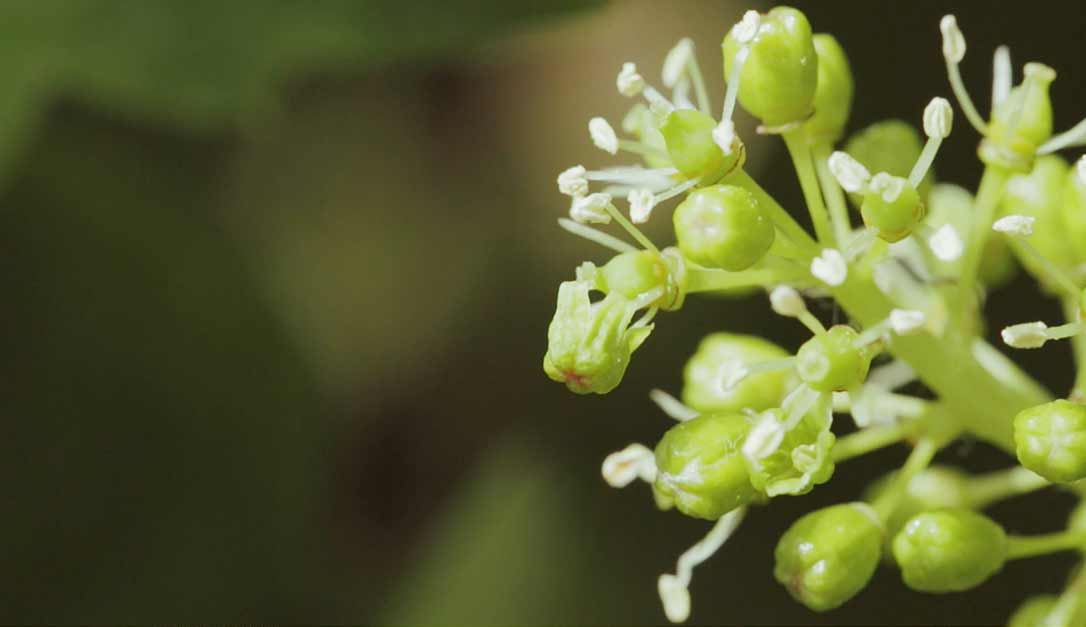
(277, 277)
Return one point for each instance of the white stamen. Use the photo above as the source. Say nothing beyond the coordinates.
(946, 244)
(830, 267)
(603, 135)
(1002, 75)
(888, 186)
(629, 82)
(850, 173)
(764, 438)
(953, 39)
(1018, 226)
(724, 136)
(633, 462)
(906, 321)
(659, 105)
(672, 406)
(591, 208)
(673, 589)
(656, 179)
(680, 96)
(641, 202)
(1026, 335)
(677, 60)
(730, 374)
(938, 118)
(786, 301)
(675, 598)
(745, 29)
(572, 182)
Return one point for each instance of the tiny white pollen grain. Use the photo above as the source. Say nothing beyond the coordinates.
(747, 28)
(603, 135)
(1026, 335)
(572, 182)
(591, 208)
(786, 301)
(675, 598)
(938, 118)
(619, 469)
(629, 82)
(953, 39)
(1019, 226)
(830, 267)
(642, 202)
(850, 173)
(946, 244)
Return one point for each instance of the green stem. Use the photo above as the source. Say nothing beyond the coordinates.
(796, 141)
(991, 188)
(835, 196)
(1019, 547)
(1004, 484)
(631, 229)
(1070, 602)
(918, 460)
(710, 280)
(1078, 344)
(871, 439)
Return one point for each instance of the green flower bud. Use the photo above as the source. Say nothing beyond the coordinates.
(803, 458)
(632, 274)
(723, 226)
(642, 122)
(892, 207)
(937, 487)
(1021, 123)
(1040, 195)
(688, 135)
(833, 96)
(890, 146)
(589, 344)
(1050, 440)
(703, 387)
(1033, 611)
(951, 204)
(1074, 210)
(949, 550)
(778, 80)
(831, 361)
(829, 555)
(699, 467)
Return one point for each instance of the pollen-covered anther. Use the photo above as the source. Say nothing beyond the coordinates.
(830, 267)
(572, 182)
(906, 321)
(888, 186)
(946, 244)
(787, 301)
(1026, 335)
(953, 39)
(676, 61)
(629, 82)
(938, 118)
(591, 208)
(746, 29)
(636, 461)
(764, 438)
(675, 598)
(603, 136)
(724, 136)
(850, 173)
(642, 202)
(1016, 225)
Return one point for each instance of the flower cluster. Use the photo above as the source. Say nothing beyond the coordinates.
(755, 421)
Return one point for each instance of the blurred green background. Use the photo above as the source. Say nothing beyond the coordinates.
(277, 276)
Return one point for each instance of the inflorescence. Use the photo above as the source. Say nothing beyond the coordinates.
(754, 419)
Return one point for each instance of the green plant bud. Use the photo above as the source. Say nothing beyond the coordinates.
(1074, 210)
(949, 550)
(890, 146)
(951, 204)
(831, 361)
(642, 122)
(1040, 195)
(936, 487)
(1050, 440)
(589, 344)
(802, 460)
(1033, 611)
(1021, 123)
(700, 467)
(688, 135)
(632, 274)
(829, 555)
(833, 96)
(777, 82)
(703, 384)
(723, 226)
(892, 208)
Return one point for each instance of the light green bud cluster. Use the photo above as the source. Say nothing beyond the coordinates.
(832, 361)
(829, 555)
(723, 226)
(803, 458)
(703, 385)
(1021, 123)
(949, 550)
(1050, 440)
(833, 95)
